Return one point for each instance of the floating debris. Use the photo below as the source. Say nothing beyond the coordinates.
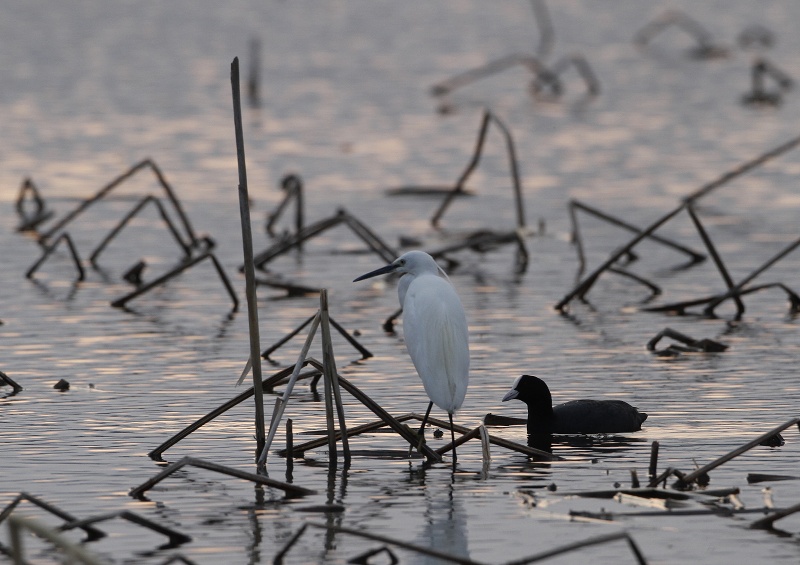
(766, 523)
(759, 96)
(691, 345)
(61, 385)
(705, 47)
(753, 478)
(134, 274)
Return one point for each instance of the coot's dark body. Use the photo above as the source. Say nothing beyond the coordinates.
(574, 417)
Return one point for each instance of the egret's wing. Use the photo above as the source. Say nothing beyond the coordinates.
(435, 331)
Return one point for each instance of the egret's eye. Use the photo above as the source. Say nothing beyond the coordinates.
(402, 262)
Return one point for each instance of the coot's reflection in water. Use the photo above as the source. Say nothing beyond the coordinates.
(589, 444)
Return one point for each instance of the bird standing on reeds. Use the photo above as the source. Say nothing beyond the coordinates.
(435, 330)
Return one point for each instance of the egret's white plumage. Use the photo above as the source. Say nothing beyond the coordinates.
(434, 327)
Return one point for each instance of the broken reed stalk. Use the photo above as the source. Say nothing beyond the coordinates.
(72, 552)
(92, 533)
(580, 545)
(289, 490)
(299, 450)
(691, 477)
(249, 273)
(267, 384)
(116, 182)
(280, 403)
(129, 216)
(585, 285)
(467, 77)
(473, 163)
(712, 250)
(175, 538)
(331, 374)
(296, 239)
(289, 449)
(376, 409)
(767, 522)
(653, 460)
(121, 302)
(575, 205)
(293, 187)
(736, 290)
(10, 382)
(547, 32)
(48, 250)
(386, 252)
(529, 451)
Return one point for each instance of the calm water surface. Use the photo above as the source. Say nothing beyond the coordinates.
(90, 88)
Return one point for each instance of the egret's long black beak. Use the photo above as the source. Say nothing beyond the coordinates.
(382, 271)
(511, 394)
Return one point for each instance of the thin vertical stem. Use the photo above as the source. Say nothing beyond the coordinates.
(249, 271)
(329, 362)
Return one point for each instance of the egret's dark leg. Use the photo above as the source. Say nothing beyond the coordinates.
(452, 438)
(421, 432)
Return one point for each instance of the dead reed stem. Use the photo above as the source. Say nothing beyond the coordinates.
(585, 285)
(249, 272)
(280, 404)
(691, 477)
(331, 374)
(130, 215)
(121, 302)
(48, 250)
(290, 490)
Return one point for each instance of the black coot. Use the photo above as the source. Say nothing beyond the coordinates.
(574, 417)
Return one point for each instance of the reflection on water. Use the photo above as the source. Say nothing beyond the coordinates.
(445, 527)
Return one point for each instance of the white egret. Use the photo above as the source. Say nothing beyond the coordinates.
(574, 417)
(435, 330)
